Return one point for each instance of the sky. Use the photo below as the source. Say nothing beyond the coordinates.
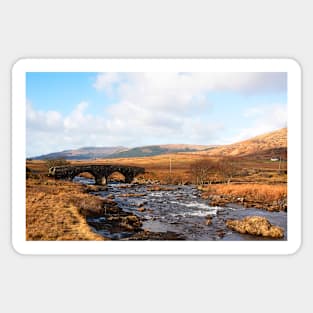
(73, 110)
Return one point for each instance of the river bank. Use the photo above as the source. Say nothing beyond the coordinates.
(180, 210)
(260, 196)
(63, 210)
(53, 210)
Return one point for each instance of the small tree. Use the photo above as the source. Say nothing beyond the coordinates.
(56, 162)
(226, 168)
(201, 171)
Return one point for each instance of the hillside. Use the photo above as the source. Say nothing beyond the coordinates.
(120, 152)
(273, 144)
(82, 153)
(157, 150)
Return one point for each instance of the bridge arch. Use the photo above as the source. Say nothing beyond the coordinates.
(100, 172)
(90, 176)
(116, 176)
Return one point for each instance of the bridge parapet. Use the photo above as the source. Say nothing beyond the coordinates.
(98, 171)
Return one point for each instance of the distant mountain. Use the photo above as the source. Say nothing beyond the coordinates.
(82, 153)
(157, 150)
(120, 152)
(269, 145)
(273, 144)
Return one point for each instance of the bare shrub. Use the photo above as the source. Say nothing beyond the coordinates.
(57, 162)
(202, 171)
(226, 168)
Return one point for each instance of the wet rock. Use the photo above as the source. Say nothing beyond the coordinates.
(111, 210)
(208, 221)
(109, 201)
(127, 226)
(217, 200)
(95, 188)
(222, 212)
(220, 233)
(141, 204)
(147, 235)
(113, 219)
(141, 209)
(129, 222)
(132, 220)
(96, 207)
(255, 225)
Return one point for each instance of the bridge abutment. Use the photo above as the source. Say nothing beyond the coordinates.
(129, 179)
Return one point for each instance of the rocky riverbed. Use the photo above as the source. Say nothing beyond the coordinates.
(171, 212)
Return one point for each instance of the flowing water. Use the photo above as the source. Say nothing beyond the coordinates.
(180, 210)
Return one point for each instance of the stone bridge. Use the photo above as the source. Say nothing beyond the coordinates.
(100, 172)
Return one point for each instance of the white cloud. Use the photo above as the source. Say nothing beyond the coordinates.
(164, 100)
(184, 85)
(77, 117)
(50, 131)
(107, 81)
(264, 119)
(151, 108)
(44, 121)
(168, 104)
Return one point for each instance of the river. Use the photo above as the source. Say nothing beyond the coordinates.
(180, 210)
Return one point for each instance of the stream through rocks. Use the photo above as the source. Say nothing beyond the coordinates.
(178, 211)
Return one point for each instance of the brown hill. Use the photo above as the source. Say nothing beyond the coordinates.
(174, 147)
(273, 144)
(81, 153)
(154, 150)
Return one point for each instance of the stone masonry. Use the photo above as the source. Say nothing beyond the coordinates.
(98, 171)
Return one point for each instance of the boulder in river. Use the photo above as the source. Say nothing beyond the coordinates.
(255, 225)
(208, 221)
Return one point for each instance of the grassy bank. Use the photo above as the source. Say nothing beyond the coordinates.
(270, 197)
(53, 210)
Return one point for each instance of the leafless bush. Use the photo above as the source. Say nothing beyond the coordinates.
(202, 171)
(227, 168)
(56, 162)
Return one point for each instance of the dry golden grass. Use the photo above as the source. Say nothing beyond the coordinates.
(53, 207)
(52, 211)
(259, 192)
(158, 168)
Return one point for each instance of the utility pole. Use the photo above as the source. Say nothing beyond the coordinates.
(170, 166)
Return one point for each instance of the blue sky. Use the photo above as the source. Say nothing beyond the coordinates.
(73, 110)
